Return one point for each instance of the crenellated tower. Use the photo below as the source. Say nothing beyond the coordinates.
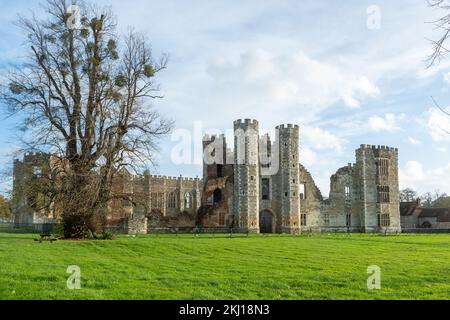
(378, 185)
(246, 174)
(288, 176)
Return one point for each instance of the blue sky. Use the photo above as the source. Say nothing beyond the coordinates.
(313, 63)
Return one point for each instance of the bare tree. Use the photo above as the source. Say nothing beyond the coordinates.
(408, 195)
(431, 199)
(439, 46)
(443, 25)
(85, 93)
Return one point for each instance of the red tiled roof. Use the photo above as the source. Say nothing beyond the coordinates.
(407, 208)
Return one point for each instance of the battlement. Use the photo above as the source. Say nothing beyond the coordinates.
(214, 137)
(373, 147)
(168, 178)
(287, 126)
(246, 122)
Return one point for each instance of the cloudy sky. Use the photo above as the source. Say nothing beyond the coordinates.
(345, 76)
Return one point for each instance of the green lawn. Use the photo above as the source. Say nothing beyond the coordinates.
(259, 267)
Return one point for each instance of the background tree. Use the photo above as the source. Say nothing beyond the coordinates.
(427, 200)
(84, 92)
(434, 199)
(408, 195)
(439, 46)
(442, 202)
(5, 210)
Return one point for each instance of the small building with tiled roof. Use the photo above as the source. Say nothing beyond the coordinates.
(414, 216)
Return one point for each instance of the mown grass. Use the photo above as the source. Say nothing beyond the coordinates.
(323, 266)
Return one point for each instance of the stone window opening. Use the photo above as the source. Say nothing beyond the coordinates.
(384, 220)
(347, 193)
(302, 191)
(382, 167)
(383, 194)
(303, 219)
(172, 203)
(286, 194)
(217, 196)
(348, 220)
(187, 200)
(37, 171)
(265, 189)
(210, 200)
(326, 219)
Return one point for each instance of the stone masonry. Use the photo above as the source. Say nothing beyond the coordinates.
(258, 186)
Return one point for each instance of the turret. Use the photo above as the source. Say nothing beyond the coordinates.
(289, 175)
(246, 174)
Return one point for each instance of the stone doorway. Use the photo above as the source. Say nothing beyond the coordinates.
(266, 222)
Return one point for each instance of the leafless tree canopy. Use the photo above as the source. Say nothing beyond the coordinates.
(443, 26)
(85, 94)
(439, 46)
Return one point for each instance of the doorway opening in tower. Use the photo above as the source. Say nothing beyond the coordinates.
(266, 222)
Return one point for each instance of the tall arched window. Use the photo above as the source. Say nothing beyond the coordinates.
(187, 200)
(172, 203)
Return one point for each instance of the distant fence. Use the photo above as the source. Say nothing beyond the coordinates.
(10, 227)
(198, 231)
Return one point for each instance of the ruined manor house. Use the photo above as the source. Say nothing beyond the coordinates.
(258, 186)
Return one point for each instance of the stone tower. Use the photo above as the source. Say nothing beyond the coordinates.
(378, 187)
(246, 174)
(288, 177)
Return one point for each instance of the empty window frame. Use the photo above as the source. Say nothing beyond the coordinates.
(303, 219)
(265, 189)
(382, 167)
(383, 194)
(302, 191)
(347, 192)
(384, 220)
(172, 201)
(188, 200)
(326, 219)
(348, 220)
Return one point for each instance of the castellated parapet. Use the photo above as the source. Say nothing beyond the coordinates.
(246, 174)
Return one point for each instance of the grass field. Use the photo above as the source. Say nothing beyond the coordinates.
(259, 267)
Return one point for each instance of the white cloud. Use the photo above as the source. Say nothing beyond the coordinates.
(294, 82)
(446, 77)
(438, 125)
(319, 139)
(389, 123)
(386, 123)
(413, 175)
(414, 141)
(308, 157)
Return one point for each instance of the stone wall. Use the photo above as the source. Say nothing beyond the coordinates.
(137, 226)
